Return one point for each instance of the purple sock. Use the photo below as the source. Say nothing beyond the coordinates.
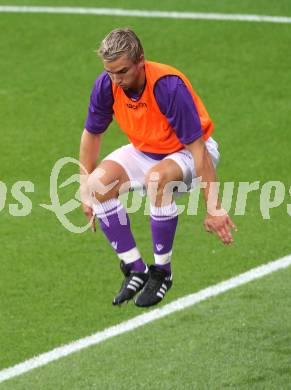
(163, 223)
(115, 224)
(137, 266)
(165, 267)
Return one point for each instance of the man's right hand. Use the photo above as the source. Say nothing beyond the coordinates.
(89, 151)
(88, 211)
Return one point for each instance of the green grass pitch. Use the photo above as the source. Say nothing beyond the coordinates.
(57, 287)
(240, 340)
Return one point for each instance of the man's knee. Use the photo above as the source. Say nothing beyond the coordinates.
(102, 186)
(156, 180)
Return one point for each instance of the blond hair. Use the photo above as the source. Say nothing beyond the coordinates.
(119, 42)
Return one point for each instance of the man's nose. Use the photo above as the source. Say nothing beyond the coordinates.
(116, 78)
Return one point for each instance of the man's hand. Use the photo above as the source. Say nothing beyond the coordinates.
(85, 198)
(221, 225)
(89, 151)
(88, 211)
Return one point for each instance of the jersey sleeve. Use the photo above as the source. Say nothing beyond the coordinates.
(176, 103)
(100, 111)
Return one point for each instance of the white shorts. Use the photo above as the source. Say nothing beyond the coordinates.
(136, 164)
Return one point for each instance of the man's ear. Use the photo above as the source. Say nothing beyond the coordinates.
(141, 60)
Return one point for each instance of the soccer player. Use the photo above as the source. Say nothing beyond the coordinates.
(169, 131)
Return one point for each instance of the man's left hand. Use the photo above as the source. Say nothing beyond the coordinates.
(221, 225)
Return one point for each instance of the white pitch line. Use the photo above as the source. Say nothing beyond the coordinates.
(142, 319)
(146, 13)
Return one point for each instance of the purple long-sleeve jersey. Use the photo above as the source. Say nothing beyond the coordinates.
(173, 99)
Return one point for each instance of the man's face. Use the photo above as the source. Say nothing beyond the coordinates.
(125, 73)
